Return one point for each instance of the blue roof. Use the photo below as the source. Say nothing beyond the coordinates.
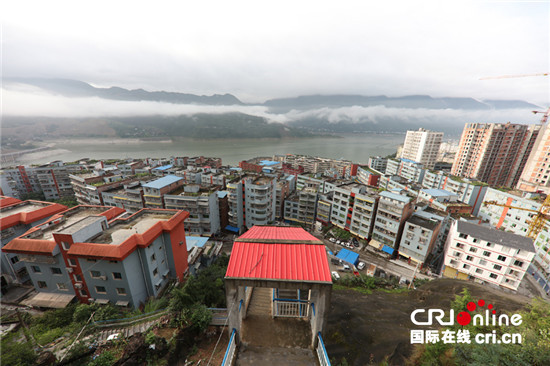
(387, 249)
(222, 194)
(163, 182)
(348, 256)
(268, 163)
(409, 161)
(232, 228)
(438, 192)
(235, 168)
(195, 241)
(164, 167)
(395, 196)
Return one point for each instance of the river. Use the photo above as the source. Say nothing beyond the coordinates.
(356, 148)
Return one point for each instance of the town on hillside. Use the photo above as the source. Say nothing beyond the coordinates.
(185, 260)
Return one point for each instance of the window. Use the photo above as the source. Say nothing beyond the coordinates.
(66, 246)
(473, 250)
(42, 284)
(100, 290)
(482, 262)
(486, 253)
(155, 272)
(95, 274)
(493, 276)
(117, 275)
(474, 240)
(36, 269)
(466, 266)
(518, 263)
(490, 245)
(153, 257)
(14, 259)
(56, 271)
(78, 278)
(497, 267)
(62, 286)
(457, 254)
(121, 291)
(479, 270)
(83, 293)
(463, 236)
(469, 258)
(72, 262)
(501, 258)
(458, 245)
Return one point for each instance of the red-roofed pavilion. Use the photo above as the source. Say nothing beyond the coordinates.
(288, 261)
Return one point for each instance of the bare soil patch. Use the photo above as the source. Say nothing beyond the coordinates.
(367, 329)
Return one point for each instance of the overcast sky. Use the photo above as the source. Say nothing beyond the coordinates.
(258, 50)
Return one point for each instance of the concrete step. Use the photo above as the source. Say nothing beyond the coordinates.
(275, 356)
(265, 331)
(260, 302)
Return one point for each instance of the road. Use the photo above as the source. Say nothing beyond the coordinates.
(368, 255)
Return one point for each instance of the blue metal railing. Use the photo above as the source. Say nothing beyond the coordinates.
(230, 351)
(322, 352)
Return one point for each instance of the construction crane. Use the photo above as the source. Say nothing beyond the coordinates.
(544, 116)
(513, 76)
(539, 220)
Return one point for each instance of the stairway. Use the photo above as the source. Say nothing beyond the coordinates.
(260, 302)
(275, 356)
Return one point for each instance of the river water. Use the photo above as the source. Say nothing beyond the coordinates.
(356, 148)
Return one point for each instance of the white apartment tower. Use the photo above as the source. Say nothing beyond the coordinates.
(422, 146)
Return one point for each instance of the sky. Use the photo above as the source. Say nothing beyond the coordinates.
(258, 50)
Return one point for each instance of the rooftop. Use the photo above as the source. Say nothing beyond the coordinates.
(26, 206)
(164, 167)
(162, 182)
(395, 196)
(135, 224)
(496, 236)
(279, 253)
(423, 222)
(438, 192)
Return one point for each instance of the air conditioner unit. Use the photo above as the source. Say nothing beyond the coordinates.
(69, 269)
(78, 285)
(104, 278)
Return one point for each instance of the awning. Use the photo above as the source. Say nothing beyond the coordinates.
(102, 301)
(232, 228)
(49, 300)
(122, 303)
(387, 249)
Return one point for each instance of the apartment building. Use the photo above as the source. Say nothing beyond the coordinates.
(392, 212)
(367, 176)
(252, 201)
(353, 208)
(202, 205)
(301, 207)
(422, 146)
(516, 219)
(323, 186)
(213, 179)
(190, 175)
(487, 255)
(52, 179)
(317, 165)
(282, 191)
(16, 218)
(378, 163)
(154, 191)
(130, 198)
(324, 208)
(494, 153)
(406, 168)
(88, 253)
(88, 187)
(536, 174)
(420, 235)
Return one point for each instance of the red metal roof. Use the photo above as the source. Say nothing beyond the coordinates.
(298, 261)
(278, 233)
(33, 246)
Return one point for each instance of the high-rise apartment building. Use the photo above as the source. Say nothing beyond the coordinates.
(494, 153)
(422, 146)
(535, 176)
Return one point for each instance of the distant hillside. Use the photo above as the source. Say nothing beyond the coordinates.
(75, 88)
(410, 101)
(200, 126)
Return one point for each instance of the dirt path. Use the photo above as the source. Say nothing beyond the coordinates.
(368, 328)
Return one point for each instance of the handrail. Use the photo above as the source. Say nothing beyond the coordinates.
(142, 316)
(230, 351)
(322, 354)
